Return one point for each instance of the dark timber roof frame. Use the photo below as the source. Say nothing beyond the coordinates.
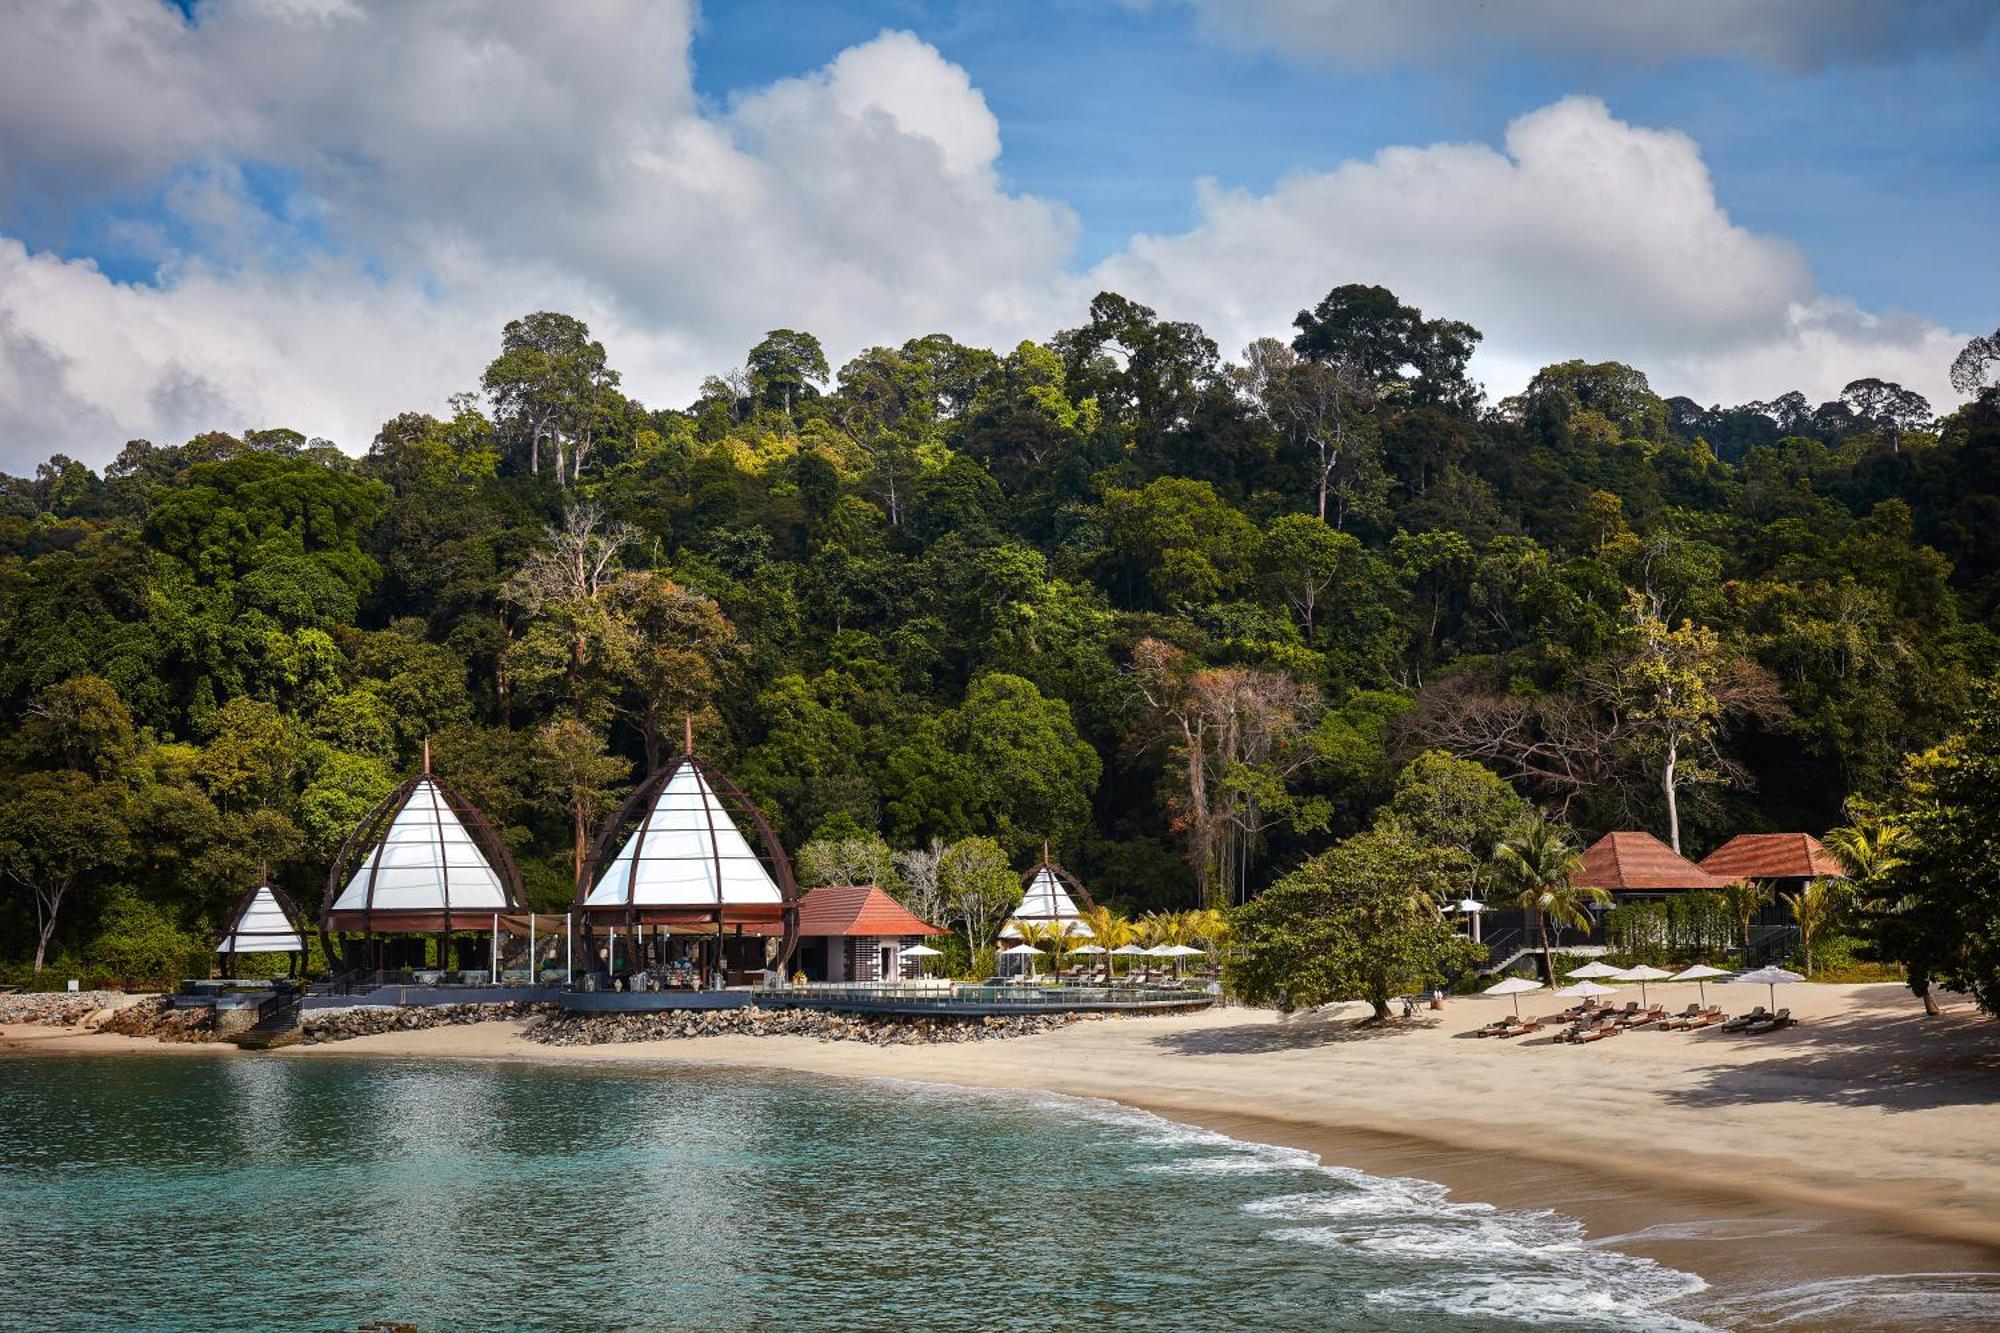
(374, 826)
(635, 816)
(293, 918)
(1070, 883)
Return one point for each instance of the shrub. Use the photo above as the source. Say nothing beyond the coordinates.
(138, 941)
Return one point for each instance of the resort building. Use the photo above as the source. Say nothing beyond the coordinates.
(856, 932)
(1632, 865)
(1785, 859)
(1049, 896)
(676, 891)
(265, 920)
(423, 862)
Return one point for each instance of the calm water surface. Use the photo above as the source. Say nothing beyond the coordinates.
(194, 1193)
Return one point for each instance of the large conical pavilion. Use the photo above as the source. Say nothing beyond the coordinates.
(675, 861)
(424, 860)
(264, 920)
(1049, 896)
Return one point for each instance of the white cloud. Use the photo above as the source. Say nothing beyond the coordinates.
(1798, 34)
(444, 167)
(1583, 237)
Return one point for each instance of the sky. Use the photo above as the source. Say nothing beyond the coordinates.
(238, 214)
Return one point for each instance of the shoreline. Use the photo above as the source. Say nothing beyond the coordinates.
(1859, 1145)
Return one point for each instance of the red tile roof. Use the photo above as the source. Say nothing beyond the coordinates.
(1773, 856)
(858, 909)
(1641, 863)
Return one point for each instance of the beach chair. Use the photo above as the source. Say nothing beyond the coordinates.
(1498, 1027)
(1782, 1019)
(1521, 1025)
(1741, 1021)
(1638, 1018)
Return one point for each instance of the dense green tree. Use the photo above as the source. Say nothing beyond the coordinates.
(1360, 921)
(1006, 764)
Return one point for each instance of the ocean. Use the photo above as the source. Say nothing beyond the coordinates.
(182, 1192)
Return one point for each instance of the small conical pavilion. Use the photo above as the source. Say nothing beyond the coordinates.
(264, 920)
(675, 860)
(1049, 894)
(424, 860)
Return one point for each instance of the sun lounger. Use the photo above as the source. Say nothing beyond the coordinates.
(1781, 1019)
(1737, 1024)
(1520, 1026)
(1638, 1018)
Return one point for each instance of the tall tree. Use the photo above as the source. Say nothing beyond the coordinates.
(1360, 921)
(1538, 864)
(786, 368)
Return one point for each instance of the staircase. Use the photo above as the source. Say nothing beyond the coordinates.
(280, 1022)
(1504, 948)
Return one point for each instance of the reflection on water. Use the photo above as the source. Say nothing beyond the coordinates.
(183, 1193)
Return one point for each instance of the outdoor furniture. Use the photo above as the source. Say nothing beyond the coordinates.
(1638, 1018)
(1693, 1016)
(1782, 1019)
(1520, 1025)
(1707, 1018)
(1742, 1021)
(1500, 1027)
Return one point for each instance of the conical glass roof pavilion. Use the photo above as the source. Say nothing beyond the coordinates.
(264, 920)
(1046, 898)
(425, 859)
(688, 851)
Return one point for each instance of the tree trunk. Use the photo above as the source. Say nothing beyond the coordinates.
(1548, 959)
(1668, 785)
(1931, 1009)
(42, 942)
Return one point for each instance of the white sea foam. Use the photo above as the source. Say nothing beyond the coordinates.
(1468, 1259)
(1959, 1300)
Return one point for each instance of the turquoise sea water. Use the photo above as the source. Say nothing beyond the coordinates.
(195, 1193)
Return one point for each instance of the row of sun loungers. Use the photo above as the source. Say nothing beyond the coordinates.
(1593, 1023)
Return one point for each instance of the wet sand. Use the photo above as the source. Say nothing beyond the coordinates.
(1804, 1174)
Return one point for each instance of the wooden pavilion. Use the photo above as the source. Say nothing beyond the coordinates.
(685, 894)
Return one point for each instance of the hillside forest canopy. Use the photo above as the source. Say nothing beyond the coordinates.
(1188, 619)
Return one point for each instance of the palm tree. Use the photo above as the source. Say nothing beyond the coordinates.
(1870, 848)
(1052, 936)
(1744, 897)
(1814, 907)
(1537, 864)
(1108, 931)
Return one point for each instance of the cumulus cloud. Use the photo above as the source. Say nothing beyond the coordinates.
(447, 166)
(349, 197)
(1583, 236)
(1796, 34)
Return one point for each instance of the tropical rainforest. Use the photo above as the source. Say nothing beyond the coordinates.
(1188, 619)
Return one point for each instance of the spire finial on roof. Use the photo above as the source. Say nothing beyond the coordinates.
(427, 756)
(687, 733)
(263, 870)
(1045, 851)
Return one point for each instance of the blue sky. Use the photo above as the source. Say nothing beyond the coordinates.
(1887, 176)
(319, 213)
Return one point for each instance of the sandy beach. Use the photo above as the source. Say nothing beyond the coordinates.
(1863, 1143)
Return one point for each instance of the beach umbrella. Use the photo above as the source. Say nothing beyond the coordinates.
(919, 952)
(1592, 970)
(1772, 977)
(1699, 974)
(1088, 949)
(1642, 974)
(1175, 952)
(1129, 951)
(1022, 950)
(1586, 990)
(1470, 908)
(1515, 987)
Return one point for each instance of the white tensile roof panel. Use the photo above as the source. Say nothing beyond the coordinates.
(680, 846)
(1047, 900)
(263, 928)
(426, 861)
